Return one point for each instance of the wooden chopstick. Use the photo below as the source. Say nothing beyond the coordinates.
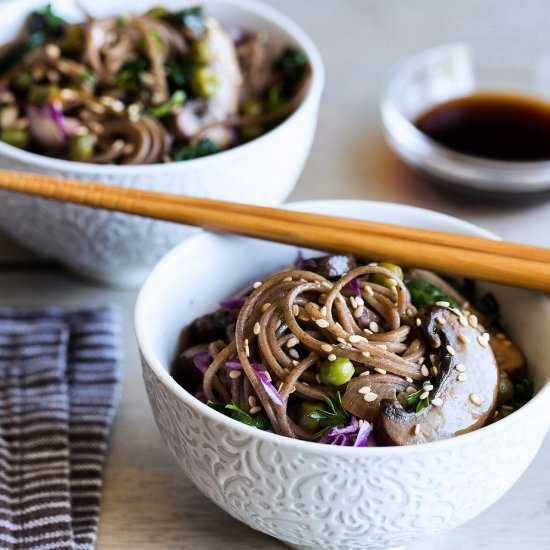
(530, 270)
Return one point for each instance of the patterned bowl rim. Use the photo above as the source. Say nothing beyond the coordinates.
(283, 23)
(152, 361)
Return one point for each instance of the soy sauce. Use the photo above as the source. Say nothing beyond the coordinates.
(493, 126)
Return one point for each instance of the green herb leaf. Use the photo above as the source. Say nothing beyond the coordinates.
(128, 78)
(191, 19)
(424, 293)
(292, 63)
(178, 98)
(203, 148)
(334, 417)
(489, 308)
(413, 399)
(232, 410)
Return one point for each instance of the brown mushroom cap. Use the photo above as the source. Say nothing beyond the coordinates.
(468, 399)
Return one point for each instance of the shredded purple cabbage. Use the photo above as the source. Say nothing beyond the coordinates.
(262, 375)
(302, 261)
(354, 285)
(201, 397)
(202, 361)
(56, 114)
(233, 363)
(345, 436)
(233, 303)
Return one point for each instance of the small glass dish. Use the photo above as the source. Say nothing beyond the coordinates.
(456, 70)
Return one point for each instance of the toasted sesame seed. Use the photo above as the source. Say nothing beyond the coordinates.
(246, 347)
(287, 279)
(370, 292)
(252, 401)
(257, 328)
(379, 370)
(365, 353)
(280, 386)
(440, 320)
(373, 325)
(234, 374)
(365, 373)
(255, 410)
(364, 389)
(463, 338)
(326, 284)
(370, 397)
(428, 387)
(450, 349)
(424, 371)
(410, 389)
(323, 323)
(442, 303)
(358, 312)
(475, 399)
(409, 379)
(418, 321)
(472, 319)
(303, 318)
(318, 378)
(353, 302)
(354, 338)
(53, 51)
(486, 336)
(341, 340)
(331, 357)
(279, 323)
(461, 377)
(482, 342)
(424, 395)
(463, 321)
(257, 284)
(293, 353)
(326, 347)
(359, 301)
(367, 331)
(421, 360)
(293, 341)
(460, 367)
(416, 429)
(324, 311)
(373, 264)
(266, 306)
(295, 363)
(437, 401)
(383, 347)
(295, 310)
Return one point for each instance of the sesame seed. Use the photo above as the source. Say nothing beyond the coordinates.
(418, 321)
(292, 390)
(257, 284)
(287, 279)
(373, 264)
(353, 302)
(440, 320)
(442, 303)
(463, 338)
(326, 284)
(359, 301)
(52, 51)
(428, 387)
(461, 377)
(370, 397)
(409, 379)
(326, 347)
(293, 341)
(450, 349)
(293, 353)
(463, 321)
(323, 323)
(370, 292)
(341, 340)
(472, 320)
(295, 363)
(257, 328)
(383, 347)
(424, 371)
(424, 395)
(331, 357)
(367, 331)
(482, 342)
(279, 323)
(246, 347)
(379, 370)
(416, 429)
(358, 312)
(365, 373)
(373, 325)
(266, 306)
(421, 360)
(354, 338)
(318, 378)
(460, 367)
(280, 386)
(365, 353)
(268, 376)
(434, 370)
(324, 311)
(295, 310)
(364, 389)
(475, 399)
(486, 336)
(437, 401)
(255, 410)
(234, 374)
(252, 401)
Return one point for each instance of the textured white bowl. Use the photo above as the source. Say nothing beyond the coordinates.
(120, 248)
(310, 495)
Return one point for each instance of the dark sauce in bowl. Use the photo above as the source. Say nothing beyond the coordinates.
(492, 126)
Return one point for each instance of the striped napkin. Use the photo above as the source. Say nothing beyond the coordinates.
(59, 385)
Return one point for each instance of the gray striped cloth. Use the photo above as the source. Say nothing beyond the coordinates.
(59, 386)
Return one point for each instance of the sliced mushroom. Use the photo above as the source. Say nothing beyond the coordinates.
(465, 387)
(330, 267)
(509, 357)
(364, 394)
(255, 65)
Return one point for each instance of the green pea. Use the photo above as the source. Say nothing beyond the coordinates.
(275, 98)
(305, 409)
(18, 137)
(200, 52)
(505, 391)
(250, 131)
(251, 107)
(39, 95)
(380, 279)
(204, 82)
(157, 12)
(337, 372)
(81, 147)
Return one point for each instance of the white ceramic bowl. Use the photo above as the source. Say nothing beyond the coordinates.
(310, 495)
(120, 248)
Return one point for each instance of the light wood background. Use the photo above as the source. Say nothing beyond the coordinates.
(148, 503)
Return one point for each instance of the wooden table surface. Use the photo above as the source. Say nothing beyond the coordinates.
(148, 503)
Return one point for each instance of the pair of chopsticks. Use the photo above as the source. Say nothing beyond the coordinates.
(473, 257)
